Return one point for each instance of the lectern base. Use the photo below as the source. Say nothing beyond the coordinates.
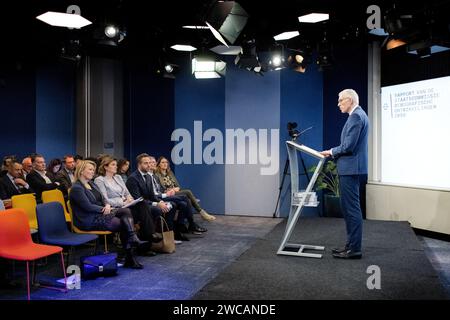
(298, 250)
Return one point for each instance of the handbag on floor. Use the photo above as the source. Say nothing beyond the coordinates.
(102, 265)
(167, 244)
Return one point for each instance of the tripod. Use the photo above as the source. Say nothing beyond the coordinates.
(286, 167)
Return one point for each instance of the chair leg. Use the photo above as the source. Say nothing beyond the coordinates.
(64, 271)
(69, 253)
(33, 279)
(106, 244)
(28, 280)
(95, 246)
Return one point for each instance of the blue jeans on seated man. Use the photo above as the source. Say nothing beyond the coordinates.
(351, 210)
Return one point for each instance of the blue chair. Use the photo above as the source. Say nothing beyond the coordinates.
(53, 227)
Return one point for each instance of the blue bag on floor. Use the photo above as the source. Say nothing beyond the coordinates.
(102, 265)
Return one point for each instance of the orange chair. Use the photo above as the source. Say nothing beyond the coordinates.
(27, 202)
(97, 232)
(16, 243)
(56, 195)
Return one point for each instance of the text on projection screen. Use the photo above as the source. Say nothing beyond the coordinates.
(415, 134)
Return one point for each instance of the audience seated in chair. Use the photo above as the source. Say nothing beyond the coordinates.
(139, 185)
(123, 169)
(66, 175)
(91, 213)
(12, 182)
(116, 194)
(27, 166)
(145, 178)
(39, 180)
(5, 164)
(170, 182)
(53, 168)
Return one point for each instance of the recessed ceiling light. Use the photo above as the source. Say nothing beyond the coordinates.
(59, 19)
(314, 17)
(183, 47)
(286, 35)
(230, 50)
(195, 27)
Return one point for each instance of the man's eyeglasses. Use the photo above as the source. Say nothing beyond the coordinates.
(340, 100)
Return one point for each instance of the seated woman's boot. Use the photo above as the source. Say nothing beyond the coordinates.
(132, 238)
(206, 216)
(130, 260)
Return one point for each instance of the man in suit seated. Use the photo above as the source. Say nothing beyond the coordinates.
(183, 203)
(13, 182)
(66, 176)
(27, 166)
(5, 164)
(140, 185)
(38, 179)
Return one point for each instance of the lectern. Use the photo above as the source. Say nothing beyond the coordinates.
(300, 199)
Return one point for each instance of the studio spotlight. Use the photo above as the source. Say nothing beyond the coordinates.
(205, 65)
(168, 68)
(394, 43)
(298, 60)
(226, 19)
(71, 51)
(248, 58)
(324, 53)
(111, 31)
(109, 34)
(277, 58)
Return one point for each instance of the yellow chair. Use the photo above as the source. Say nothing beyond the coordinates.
(27, 202)
(98, 232)
(56, 195)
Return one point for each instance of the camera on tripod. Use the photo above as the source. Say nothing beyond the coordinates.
(293, 133)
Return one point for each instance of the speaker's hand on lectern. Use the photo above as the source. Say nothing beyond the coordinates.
(326, 153)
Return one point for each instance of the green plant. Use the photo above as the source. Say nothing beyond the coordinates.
(328, 178)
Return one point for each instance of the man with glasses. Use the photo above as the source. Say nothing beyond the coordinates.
(351, 159)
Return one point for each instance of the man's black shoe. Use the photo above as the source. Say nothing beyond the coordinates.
(196, 229)
(339, 250)
(349, 254)
(181, 237)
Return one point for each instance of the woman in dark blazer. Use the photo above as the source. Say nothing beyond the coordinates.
(91, 213)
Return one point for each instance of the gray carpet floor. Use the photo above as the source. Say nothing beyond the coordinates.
(406, 272)
(176, 276)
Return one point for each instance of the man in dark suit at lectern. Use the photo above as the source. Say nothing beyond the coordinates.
(351, 159)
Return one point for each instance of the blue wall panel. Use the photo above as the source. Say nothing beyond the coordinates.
(349, 72)
(150, 115)
(301, 102)
(252, 103)
(18, 109)
(55, 110)
(201, 100)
